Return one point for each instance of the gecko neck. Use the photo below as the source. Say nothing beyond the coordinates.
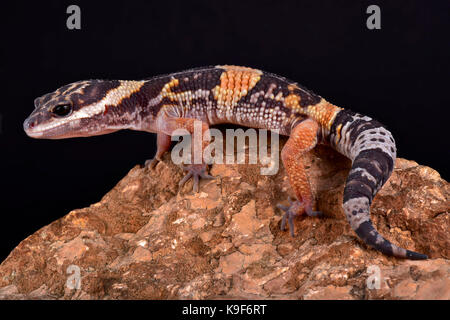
(136, 109)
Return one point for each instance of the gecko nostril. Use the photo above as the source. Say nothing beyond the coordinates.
(29, 124)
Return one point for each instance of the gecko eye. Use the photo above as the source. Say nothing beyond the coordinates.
(62, 110)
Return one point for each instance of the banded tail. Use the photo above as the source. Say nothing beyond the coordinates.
(372, 150)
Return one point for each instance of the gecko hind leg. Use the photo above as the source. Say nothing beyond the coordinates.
(302, 139)
(195, 171)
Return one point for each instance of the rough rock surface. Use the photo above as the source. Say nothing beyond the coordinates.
(148, 239)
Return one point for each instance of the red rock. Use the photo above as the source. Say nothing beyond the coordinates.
(147, 239)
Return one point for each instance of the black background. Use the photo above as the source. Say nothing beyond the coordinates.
(398, 75)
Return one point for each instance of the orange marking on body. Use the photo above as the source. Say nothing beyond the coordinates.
(235, 83)
(292, 101)
(323, 112)
(338, 131)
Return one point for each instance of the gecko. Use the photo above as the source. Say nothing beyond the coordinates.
(242, 96)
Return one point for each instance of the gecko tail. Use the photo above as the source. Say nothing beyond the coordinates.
(371, 237)
(370, 170)
(372, 150)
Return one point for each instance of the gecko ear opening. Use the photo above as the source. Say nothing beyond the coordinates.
(37, 102)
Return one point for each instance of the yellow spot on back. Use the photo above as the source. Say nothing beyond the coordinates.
(115, 96)
(168, 86)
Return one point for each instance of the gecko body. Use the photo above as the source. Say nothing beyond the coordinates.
(242, 96)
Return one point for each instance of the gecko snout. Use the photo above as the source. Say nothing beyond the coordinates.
(28, 126)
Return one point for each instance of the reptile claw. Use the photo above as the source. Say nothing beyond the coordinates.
(152, 163)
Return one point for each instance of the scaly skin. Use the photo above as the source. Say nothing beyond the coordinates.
(242, 96)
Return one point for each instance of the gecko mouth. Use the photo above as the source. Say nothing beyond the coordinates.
(59, 131)
(72, 129)
(53, 133)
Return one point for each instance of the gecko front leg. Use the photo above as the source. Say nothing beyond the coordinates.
(163, 142)
(167, 126)
(302, 139)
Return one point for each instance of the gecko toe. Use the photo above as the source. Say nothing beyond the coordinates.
(197, 172)
(291, 224)
(151, 163)
(294, 209)
(206, 176)
(185, 179)
(317, 214)
(196, 181)
(282, 207)
(290, 212)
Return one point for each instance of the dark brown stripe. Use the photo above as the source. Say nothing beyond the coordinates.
(198, 79)
(95, 91)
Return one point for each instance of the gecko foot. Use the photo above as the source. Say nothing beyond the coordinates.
(152, 162)
(294, 209)
(197, 171)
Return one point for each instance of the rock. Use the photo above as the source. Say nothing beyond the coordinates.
(147, 239)
(330, 293)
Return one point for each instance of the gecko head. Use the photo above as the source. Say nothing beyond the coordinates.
(75, 110)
